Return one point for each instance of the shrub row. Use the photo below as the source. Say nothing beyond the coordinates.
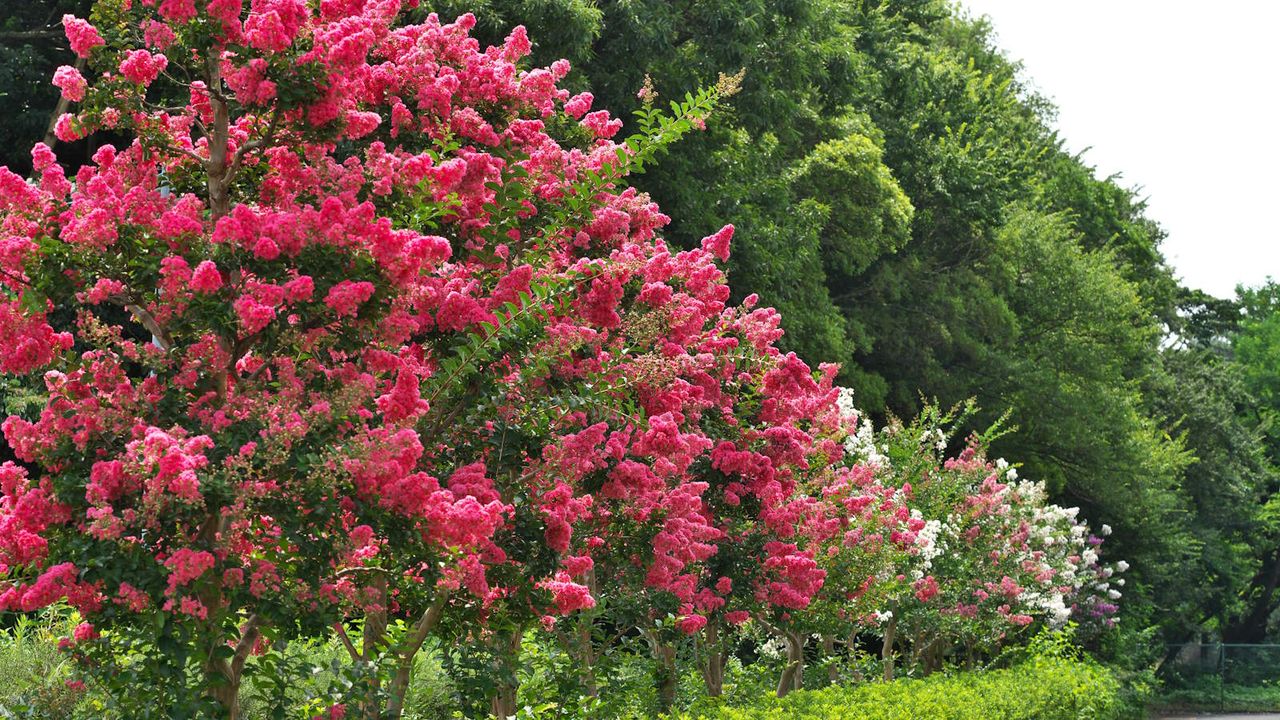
(1039, 689)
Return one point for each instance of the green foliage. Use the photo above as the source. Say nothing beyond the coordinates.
(1043, 688)
(1204, 397)
(1253, 342)
(1047, 681)
(867, 214)
(34, 673)
(1209, 693)
(34, 677)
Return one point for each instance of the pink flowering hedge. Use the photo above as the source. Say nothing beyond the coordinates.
(364, 338)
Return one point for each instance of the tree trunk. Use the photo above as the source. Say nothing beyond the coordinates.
(796, 652)
(219, 136)
(714, 660)
(793, 675)
(503, 703)
(829, 652)
(223, 676)
(886, 650)
(375, 630)
(226, 691)
(407, 652)
(928, 656)
(587, 657)
(666, 677)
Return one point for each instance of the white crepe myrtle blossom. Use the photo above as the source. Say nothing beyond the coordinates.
(861, 445)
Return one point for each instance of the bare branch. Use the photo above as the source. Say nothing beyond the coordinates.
(353, 570)
(46, 34)
(14, 278)
(248, 637)
(346, 641)
(163, 339)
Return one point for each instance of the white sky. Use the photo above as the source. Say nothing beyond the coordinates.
(1183, 99)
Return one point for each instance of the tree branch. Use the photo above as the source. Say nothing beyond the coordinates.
(46, 34)
(248, 637)
(266, 139)
(346, 641)
(400, 684)
(150, 323)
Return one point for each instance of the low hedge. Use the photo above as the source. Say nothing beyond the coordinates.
(1038, 689)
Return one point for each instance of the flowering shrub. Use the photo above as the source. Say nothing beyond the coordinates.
(996, 556)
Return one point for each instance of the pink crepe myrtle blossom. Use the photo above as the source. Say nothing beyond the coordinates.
(82, 36)
(70, 82)
(206, 278)
(142, 67)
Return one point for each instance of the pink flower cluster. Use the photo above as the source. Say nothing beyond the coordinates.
(82, 36)
(70, 82)
(142, 67)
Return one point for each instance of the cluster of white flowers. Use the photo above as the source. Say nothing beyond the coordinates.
(1052, 561)
(929, 539)
(1010, 473)
(844, 402)
(773, 648)
(861, 444)
(1052, 605)
(937, 437)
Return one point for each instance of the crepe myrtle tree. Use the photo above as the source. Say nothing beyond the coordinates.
(358, 288)
(995, 558)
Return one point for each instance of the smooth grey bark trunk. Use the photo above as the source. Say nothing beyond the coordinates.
(886, 650)
(667, 677)
(829, 652)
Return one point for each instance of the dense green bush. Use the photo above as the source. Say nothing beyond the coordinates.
(1042, 688)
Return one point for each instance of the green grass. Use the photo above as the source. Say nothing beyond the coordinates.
(1208, 693)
